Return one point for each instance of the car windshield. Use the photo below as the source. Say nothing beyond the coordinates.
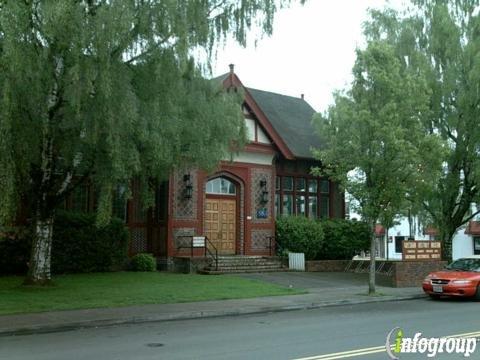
(465, 264)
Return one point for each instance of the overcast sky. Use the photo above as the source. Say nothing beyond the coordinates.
(311, 51)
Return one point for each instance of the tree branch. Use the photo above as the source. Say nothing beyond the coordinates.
(468, 218)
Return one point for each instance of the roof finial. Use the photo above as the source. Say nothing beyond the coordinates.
(302, 96)
(232, 68)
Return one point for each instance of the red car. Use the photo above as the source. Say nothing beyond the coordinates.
(460, 278)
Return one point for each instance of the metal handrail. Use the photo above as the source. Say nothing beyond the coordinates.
(207, 251)
(190, 238)
(215, 257)
(275, 248)
(272, 244)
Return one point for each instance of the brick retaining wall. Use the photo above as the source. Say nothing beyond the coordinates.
(412, 273)
(326, 265)
(403, 274)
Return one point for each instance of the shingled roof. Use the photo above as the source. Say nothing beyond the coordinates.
(291, 118)
(219, 79)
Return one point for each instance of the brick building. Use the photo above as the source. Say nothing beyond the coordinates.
(235, 207)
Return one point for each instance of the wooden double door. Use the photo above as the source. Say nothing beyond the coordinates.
(221, 224)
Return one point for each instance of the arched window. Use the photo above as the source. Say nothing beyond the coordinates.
(220, 186)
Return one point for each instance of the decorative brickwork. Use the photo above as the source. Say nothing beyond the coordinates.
(240, 216)
(261, 239)
(184, 209)
(139, 241)
(181, 237)
(256, 176)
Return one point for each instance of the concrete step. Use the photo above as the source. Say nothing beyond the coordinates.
(248, 264)
(243, 264)
(220, 272)
(246, 258)
(253, 261)
(228, 268)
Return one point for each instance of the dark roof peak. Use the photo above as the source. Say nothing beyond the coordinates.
(291, 117)
(293, 98)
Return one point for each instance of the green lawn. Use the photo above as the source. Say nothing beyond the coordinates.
(84, 291)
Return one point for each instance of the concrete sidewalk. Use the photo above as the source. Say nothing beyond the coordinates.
(325, 289)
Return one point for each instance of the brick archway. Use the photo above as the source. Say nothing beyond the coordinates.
(240, 240)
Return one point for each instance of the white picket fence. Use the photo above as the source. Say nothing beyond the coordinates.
(296, 261)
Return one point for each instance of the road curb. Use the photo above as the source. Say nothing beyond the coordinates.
(190, 315)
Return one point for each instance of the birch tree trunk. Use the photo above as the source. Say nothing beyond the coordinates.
(40, 260)
(371, 277)
(39, 272)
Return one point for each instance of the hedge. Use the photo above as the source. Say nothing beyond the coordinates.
(343, 239)
(15, 246)
(333, 239)
(78, 246)
(299, 234)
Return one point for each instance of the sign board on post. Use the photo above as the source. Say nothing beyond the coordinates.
(421, 250)
(198, 241)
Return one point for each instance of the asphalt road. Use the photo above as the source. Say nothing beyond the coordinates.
(318, 334)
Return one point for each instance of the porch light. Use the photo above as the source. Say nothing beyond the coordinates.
(264, 195)
(187, 193)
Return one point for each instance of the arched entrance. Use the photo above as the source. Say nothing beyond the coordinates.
(221, 214)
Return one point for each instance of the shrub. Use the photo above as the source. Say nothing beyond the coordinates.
(143, 262)
(15, 251)
(79, 246)
(343, 239)
(299, 234)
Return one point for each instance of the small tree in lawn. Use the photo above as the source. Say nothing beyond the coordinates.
(106, 90)
(373, 136)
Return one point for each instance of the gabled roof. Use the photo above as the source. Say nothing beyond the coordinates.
(291, 117)
(430, 230)
(473, 228)
(379, 230)
(219, 79)
(287, 119)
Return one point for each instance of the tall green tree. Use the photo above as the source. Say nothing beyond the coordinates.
(373, 134)
(441, 39)
(107, 90)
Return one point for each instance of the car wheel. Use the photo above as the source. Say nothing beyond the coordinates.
(436, 296)
(477, 293)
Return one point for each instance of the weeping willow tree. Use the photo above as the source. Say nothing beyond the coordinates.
(107, 90)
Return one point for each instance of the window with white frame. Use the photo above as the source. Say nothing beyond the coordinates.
(220, 186)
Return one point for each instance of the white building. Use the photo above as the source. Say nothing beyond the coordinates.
(466, 241)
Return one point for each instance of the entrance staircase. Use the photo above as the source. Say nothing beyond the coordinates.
(243, 264)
